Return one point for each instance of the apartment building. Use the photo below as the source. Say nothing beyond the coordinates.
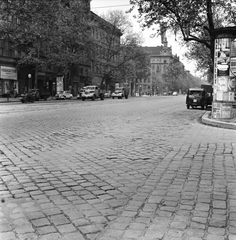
(106, 39)
(160, 58)
(89, 69)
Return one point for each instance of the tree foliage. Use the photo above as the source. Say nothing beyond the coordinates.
(126, 52)
(195, 20)
(48, 32)
(175, 77)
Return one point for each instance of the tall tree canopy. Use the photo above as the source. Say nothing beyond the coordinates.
(124, 52)
(195, 20)
(47, 32)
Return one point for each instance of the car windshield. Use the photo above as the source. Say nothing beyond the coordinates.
(196, 93)
(90, 88)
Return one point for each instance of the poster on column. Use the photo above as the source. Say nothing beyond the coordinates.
(222, 83)
(222, 54)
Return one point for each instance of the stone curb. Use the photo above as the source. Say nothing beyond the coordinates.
(206, 119)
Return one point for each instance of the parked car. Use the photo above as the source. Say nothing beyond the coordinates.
(92, 92)
(38, 94)
(164, 93)
(196, 97)
(82, 90)
(27, 97)
(63, 95)
(120, 92)
(175, 94)
(68, 95)
(107, 94)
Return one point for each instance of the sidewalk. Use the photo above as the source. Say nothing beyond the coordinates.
(223, 123)
(12, 99)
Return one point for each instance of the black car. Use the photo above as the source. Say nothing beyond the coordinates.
(197, 97)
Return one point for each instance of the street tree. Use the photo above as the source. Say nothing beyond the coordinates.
(200, 54)
(26, 25)
(173, 75)
(51, 34)
(71, 40)
(117, 55)
(193, 20)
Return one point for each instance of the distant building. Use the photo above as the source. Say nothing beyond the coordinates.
(160, 58)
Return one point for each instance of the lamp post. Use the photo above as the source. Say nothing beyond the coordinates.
(29, 81)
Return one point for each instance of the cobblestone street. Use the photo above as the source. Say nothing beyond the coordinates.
(136, 169)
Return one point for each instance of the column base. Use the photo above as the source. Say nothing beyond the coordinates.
(222, 110)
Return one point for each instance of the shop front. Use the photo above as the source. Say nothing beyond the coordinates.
(8, 81)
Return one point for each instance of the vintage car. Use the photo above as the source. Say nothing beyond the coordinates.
(196, 97)
(82, 90)
(92, 92)
(38, 94)
(63, 95)
(120, 92)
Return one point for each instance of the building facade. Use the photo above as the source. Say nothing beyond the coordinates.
(160, 58)
(106, 39)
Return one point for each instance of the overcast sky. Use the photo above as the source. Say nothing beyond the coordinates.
(102, 6)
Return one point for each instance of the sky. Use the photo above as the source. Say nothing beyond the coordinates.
(102, 6)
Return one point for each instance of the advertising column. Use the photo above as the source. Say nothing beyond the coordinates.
(224, 75)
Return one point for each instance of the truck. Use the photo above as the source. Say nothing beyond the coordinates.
(209, 92)
(92, 92)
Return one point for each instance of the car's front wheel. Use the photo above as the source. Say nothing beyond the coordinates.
(187, 106)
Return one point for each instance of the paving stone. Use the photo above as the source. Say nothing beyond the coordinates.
(199, 220)
(132, 233)
(152, 234)
(40, 222)
(179, 225)
(232, 237)
(214, 237)
(66, 228)
(216, 231)
(51, 236)
(111, 233)
(24, 229)
(46, 230)
(59, 219)
(31, 236)
(74, 236)
(8, 236)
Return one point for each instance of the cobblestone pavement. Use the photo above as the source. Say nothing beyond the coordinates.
(142, 168)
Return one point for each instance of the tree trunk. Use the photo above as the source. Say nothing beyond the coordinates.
(36, 78)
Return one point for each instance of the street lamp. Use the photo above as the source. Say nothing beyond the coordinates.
(29, 83)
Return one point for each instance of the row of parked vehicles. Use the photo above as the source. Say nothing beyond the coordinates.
(93, 92)
(34, 95)
(88, 92)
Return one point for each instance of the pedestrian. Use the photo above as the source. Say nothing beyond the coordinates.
(15, 91)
